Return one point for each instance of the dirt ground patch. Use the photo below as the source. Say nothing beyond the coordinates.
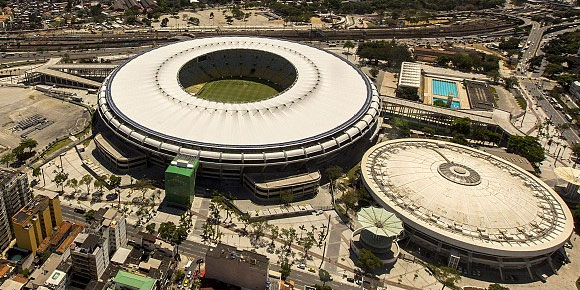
(17, 104)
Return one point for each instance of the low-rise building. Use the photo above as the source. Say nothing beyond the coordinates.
(41, 275)
(129, 281)
(241, 268)
(56, 281)
(11, 285)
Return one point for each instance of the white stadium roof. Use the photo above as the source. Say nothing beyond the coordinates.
(466, 197)
(330, 95)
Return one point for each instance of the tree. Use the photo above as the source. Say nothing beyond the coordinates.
(86, 180)
(496, 286)
(178, 276)
(333, 173)
(60, 177)
(285, 269)
(348, 45)
(286, 197)
(388, 51)
(100, 183)
(367, 261)
(494, 75)
(150, 228)
(324, 276)
(73, 183)
(374, 72)
(36, 172)
(8, 158)
(273, 234)
(114, 181)
(221, 201)
(429, 131)
(90, 216)
(402, 127)
(28, 143)
(459, 139)
(446, 276)
(407, 93)
(18, 151)
(527, 147)
(166, 230)
(461, 126)
(510, 82)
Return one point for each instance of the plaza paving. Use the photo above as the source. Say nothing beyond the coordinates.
(405, 274)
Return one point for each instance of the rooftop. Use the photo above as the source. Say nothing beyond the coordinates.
(410, 75)
(7, 174)
(135, 281)
(226, 252)
(329, 92)
(466, 197)
(38, 204)
(56, 277)
(274, 181)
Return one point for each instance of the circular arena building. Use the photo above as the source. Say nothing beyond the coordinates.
(467, 206)
(240, 104)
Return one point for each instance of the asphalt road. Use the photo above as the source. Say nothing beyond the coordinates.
(556, 116)
(196, 250)
(74, 54)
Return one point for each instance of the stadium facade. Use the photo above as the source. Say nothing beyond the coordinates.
(324, 105)
(469, 207)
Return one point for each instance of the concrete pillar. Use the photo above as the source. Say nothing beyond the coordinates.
(469, 261)
(571, 190)
(549, 259)
(529, 267)
(501, 269)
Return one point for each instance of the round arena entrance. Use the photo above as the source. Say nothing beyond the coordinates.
(240, 104)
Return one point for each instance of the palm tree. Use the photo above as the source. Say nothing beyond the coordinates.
(87, 179)
(302, 229)
(8, 158)
(348, 45)
(73, 183)
(28, 143)
(273, 234)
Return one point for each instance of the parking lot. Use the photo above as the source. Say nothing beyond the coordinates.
(19, 104)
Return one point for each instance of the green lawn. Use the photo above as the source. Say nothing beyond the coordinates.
(235, 91)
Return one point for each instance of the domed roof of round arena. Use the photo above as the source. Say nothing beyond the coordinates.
(467, 198)
(319, 97)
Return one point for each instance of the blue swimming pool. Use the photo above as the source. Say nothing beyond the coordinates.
(444, 88)
(454, 104)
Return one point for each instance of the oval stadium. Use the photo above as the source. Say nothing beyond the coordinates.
(239, 105)
(468, 207)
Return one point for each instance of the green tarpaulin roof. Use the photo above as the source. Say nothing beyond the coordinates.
(136, 281)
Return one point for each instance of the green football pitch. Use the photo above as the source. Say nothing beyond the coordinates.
(233, 91)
